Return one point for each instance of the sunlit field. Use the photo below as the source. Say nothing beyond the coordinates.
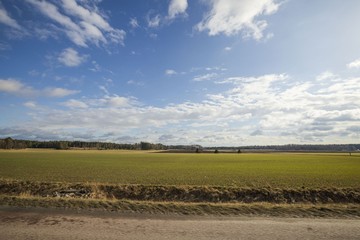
(283, 170)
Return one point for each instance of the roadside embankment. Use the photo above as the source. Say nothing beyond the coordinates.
(211, 194)
(194, 200)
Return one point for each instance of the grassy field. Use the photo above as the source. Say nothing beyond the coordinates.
(282, 170)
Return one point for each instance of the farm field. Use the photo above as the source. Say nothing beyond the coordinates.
(275, 170)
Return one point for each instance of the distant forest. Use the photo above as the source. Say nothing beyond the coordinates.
(299, 148)
(9, 143)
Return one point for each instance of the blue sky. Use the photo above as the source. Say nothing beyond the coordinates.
(214, 73)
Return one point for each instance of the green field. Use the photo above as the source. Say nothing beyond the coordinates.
(283, 170)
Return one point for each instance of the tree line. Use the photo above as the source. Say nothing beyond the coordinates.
(298, 147)
(9, 143)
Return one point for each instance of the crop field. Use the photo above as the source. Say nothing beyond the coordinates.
(275, 170)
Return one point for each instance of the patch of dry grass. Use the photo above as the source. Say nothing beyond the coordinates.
(176, 208)
(206, 194)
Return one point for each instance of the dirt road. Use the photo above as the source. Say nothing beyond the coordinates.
(49, 224)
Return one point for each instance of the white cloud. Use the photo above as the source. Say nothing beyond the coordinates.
(231, 17)
(264, 79)
(89, 16)
(227, 48)
(170, 72)
(153, 22)
(73, 103)
(30, 104)
(134, 23)
(59, 92)
(177, 7)
(215, 69)
(16, 87)
(83, 24)
(354, 64)
(153, 35)
(205, 77)
(7, 20)
(71, 58)
(253, 110)
(73, 30)
(104, 89)
(36, 133)
(96, 67)
(136, 83)
(118, 101)
(327, 75)
(10, 85)
(94, 22)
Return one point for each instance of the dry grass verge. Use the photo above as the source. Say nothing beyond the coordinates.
(176, 208)
(207, 194)
(185, 200)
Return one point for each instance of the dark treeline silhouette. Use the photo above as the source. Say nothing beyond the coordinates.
(9, 143)
(297, 147)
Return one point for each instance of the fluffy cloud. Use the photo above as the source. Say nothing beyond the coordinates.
(58, 92)
(170, 72)
(298, 108)
(10, 85)
(153, 22)
(354, 64)
(118, 101)
(177, 7)
(231, 17)
(71, 58)
(134, 23)
(15, 87)
(30, 104)
(83, 24)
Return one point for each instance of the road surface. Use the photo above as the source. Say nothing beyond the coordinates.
(42, 224)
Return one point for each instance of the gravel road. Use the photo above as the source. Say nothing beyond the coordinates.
(41, 224)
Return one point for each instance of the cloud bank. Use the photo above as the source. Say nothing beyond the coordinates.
(252, 111)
